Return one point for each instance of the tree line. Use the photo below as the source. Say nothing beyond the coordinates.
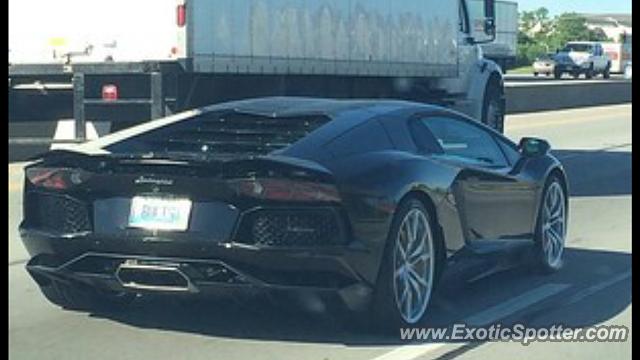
(539, 33)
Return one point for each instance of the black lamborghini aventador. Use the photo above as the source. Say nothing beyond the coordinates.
(366, 199)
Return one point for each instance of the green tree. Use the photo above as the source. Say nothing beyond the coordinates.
(572, 27)
(539, 34)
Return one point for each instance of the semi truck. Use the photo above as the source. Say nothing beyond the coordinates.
(503, 50)
(125, 62)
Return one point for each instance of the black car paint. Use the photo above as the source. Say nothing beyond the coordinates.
(473, 205)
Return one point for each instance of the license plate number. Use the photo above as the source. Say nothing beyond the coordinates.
(159, 213)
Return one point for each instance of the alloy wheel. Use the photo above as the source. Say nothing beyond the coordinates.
(553, 225)
(413, 261)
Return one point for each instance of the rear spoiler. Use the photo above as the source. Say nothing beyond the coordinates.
(269, 166)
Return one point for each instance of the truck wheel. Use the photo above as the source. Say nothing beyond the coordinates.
(492, 109)
(607, 72)
(589, 73)
(557, 74)
(535, 73)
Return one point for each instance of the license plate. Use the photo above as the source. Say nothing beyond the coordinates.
(159, 213)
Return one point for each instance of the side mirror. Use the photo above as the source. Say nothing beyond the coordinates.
(490, 16)
(490, 27)
(532, 147)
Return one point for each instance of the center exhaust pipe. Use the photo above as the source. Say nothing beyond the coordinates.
(153, 277)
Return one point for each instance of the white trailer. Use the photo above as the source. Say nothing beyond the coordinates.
(131, 61)
(619, 54)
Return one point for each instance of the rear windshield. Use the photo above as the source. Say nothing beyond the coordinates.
(577, 48)
(222, 134)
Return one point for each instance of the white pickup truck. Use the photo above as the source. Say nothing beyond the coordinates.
(582, 57)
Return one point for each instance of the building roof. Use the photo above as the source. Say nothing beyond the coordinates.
(612, 19)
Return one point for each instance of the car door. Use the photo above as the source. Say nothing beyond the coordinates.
(493, 202)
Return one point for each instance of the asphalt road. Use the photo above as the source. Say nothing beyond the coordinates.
(594, 287)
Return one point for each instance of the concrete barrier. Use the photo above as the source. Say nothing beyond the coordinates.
(534, 97)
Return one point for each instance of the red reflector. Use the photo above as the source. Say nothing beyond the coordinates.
(181, 15)
(109, 92)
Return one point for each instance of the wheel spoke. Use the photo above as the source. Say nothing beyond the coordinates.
(424, 257)
(413, 275)
(405, 294)
(546, 241)
(419, 249)
(555, 219)
(399, 271)
(409, 301)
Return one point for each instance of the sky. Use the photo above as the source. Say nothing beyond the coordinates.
(557, 7)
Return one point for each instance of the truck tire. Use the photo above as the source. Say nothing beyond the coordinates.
(607, 71)
(557, 74)
(589, 73)
(492, 109)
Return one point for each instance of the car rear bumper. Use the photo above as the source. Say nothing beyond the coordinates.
(543, 68)
(196, 268)
(569, 67)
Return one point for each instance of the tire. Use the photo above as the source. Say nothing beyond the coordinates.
(535, 74)
(557, 74)
(607, 72)
(549, 259)
(589, 73)
(73, 296)
(391, 286)
(492, 109)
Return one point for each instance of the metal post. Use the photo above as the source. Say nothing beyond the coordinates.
(78, 106)
(157, 100)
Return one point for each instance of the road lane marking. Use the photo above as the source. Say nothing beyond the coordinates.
(15, 186)
(18, 262)
(582, 294)
(483, 318)
(514, 305)
(558, 119)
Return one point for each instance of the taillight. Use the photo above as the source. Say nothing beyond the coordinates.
(109, 92)
(286, 190)
(181, 15)
(56, 178)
